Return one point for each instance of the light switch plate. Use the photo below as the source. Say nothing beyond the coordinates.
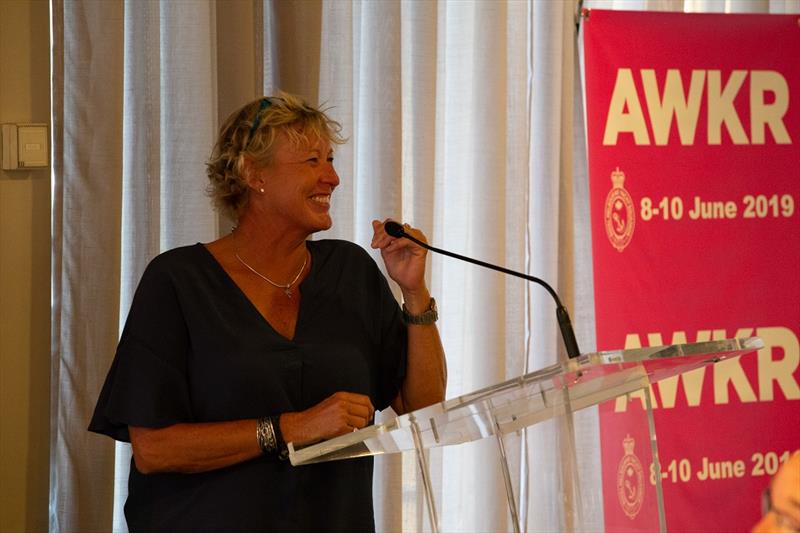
(25, 146)
(32, 145)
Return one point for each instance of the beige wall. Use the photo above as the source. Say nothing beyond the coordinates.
(24, 276)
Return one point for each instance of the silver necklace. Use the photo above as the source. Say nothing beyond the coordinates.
(286, 288)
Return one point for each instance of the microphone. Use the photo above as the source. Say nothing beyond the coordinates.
(567, 334)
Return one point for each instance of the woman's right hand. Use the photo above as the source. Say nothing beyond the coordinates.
(340, 413)
(205, 446)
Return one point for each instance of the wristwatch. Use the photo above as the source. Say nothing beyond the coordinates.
(427, 317)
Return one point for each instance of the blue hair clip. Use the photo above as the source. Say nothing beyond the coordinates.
(265, 103)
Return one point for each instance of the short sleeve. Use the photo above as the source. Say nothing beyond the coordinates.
(393, 345)
(147, 384)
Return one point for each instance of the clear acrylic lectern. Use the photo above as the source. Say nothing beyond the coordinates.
(555, 391)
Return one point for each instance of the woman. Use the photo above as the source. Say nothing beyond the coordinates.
(234, 347)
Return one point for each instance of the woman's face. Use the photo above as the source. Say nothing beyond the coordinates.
(298, 184)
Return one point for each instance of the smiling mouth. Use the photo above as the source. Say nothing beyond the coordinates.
(323, 199)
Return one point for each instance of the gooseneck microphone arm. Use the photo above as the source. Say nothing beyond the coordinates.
(567, 334)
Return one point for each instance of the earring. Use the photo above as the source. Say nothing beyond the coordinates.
(261, 190)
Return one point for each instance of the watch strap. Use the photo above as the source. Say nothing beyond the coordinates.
(427, 317)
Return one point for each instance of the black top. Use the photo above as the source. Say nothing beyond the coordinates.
(195, 349)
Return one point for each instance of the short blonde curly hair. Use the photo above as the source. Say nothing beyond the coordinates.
(250, 133)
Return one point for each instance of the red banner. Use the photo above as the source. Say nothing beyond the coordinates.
(693, 125)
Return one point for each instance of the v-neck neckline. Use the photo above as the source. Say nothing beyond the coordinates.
(302, 285)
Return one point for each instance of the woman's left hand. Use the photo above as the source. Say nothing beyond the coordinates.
(404, 260)
(425, 381)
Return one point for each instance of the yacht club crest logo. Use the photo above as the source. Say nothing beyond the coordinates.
(619, 215)
(630, 480)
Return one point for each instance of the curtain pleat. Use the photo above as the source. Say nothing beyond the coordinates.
(784, 6)
(135, 109)
(377, 151)
(418, 34)
(469, 218)
(338, 91)
(87, 162)
(188, 120)
(549, 245)
(141, 219)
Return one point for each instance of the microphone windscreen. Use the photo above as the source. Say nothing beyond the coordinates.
(394, 229)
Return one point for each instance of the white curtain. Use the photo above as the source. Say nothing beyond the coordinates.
(134, 103)
(464, 118)
(460, 116)
(86, 276)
